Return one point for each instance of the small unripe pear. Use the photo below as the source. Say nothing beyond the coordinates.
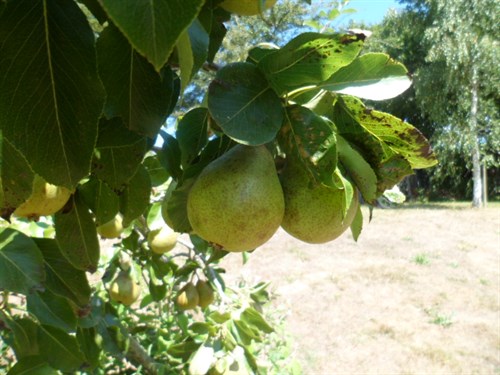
(188, 297)
(162, 240)
(45, 199)
(111, 229)
(124, 289)
(205, 293)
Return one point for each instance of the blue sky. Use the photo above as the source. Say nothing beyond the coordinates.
(370, 11)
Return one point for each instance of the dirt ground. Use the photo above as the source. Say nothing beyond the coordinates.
(419, 293)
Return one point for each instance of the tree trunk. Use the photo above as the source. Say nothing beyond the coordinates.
(477, 188)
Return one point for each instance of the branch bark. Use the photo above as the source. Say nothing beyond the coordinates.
(138, 355)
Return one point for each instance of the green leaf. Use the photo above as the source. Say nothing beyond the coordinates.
(357, 224)
(76, 235)
(154, 219)
(358, 169)
(62, 278)
(309, 59)
(135, 197)
(219, 317)
(245, 333)
(157, 173)
(311, 139)
(192, 50)
(119, 153)
(182, 350)
(96, 314)
(157, 291)
(16, 178)
(243, 105)
(170, 155)
(21, 263)
(373, 76)
(252, 317)
(59, 349)
(136, 92)
(112, 341)
(52, 310)
(101, 200)
(403, 138)
(348, 190)
(32, 365)
(201, 360)
(391, 171)
(174, 207)
(24, 331)
(192, 134)
(258, 53)
(51, 97)
(149, 27)
(391, 146)
(212, 17)
(87, 339)
(186, 59)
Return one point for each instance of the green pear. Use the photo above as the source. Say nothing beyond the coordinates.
(246, 7)
(188, 297)
(45, 199)
(112, 228)
(237, 201)
(205, 293)
(314, 212)
(124, 289)
(162, 240)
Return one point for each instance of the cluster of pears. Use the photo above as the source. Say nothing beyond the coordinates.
(238, 202)
(191, 295)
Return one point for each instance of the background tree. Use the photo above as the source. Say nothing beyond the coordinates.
(450, 48)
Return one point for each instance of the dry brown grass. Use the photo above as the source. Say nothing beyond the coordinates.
(418, 294)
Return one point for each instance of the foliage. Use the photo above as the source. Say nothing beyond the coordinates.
(441, 43)
(86, 89)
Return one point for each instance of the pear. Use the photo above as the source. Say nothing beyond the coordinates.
(188, 297)
(162, 240)
(45, 199)
(237, 201)
(205, 293)
(314, 212)
(112, 228)
(124, 289)
(246, 7)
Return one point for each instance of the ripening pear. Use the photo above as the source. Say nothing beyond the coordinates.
(124, 289)
(246, 7)
(188, 297)
(237, 201)
(111, 229)
(45, 199)
(162, 240)
(205, 293)
(314, 212)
